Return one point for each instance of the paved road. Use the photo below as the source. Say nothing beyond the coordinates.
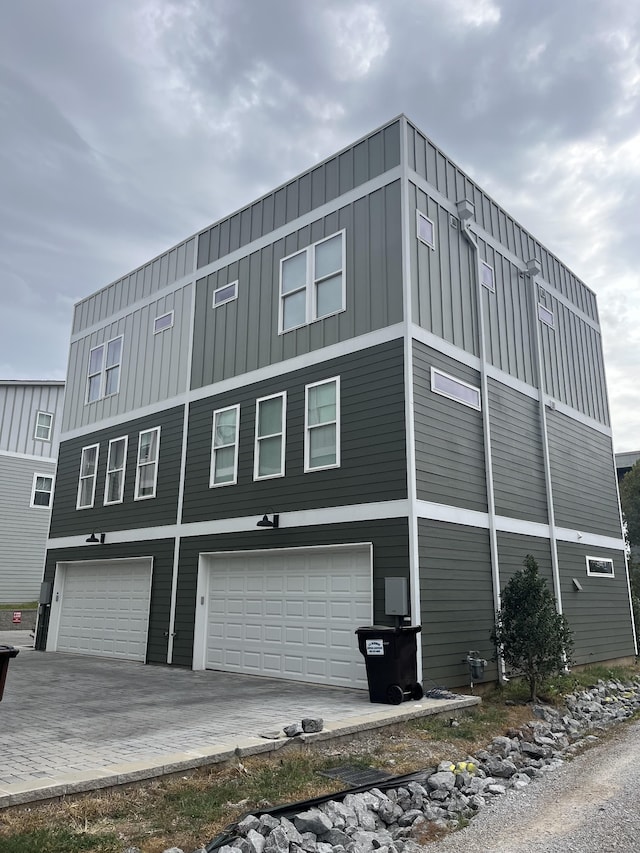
(591, 805)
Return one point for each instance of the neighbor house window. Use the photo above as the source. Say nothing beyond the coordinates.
(103, 378)
(487, 278)
(270, 437)
(322, 425)
(41, 490)
(600, 566)
(455, 389)
(545, 315)
(225, 294)
(87, 479)
(147, 464)
(312, 283)
(44, 424)
(224, 447)
(165, 321)
(116, 463)
(425, 229)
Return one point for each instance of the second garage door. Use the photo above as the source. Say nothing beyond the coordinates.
(289, 614)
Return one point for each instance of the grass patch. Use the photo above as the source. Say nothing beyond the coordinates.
(24, 605)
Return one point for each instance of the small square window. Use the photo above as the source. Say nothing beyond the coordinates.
(487, 278)
(163, 322)
(455, 389)
(225, 294)
(546, 316)
(426, 230)
(42, 490)
(44, 424)
(602, 566)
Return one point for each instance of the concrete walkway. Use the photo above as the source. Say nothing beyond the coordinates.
(71, 723)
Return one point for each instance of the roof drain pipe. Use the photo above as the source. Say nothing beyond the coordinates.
(466, 211)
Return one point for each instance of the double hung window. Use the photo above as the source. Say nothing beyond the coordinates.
(103, 378)
(44, 424)
(312, 283)
(41, 490)
(270, 437)
(322, 425)
(224, 446)
(88, 474)
(147, 464)
(116, 463)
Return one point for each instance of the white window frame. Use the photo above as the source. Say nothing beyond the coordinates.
(158, 320)
(232, 287)
(139, 465)
(259, 438)
(436, 373)
(489, 283)
(546, 316)
(93, 476)
(111, 470)
(38, 425)
(308, 428)
(419, 216)
(33, 491)
(311, 284)
(102, 373)
(610, 574)
(234, 444)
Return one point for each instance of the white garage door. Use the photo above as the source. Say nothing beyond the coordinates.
(103, 608)
(289, 614)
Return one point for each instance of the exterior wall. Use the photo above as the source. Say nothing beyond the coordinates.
(513, 549)
(372, 442)
(20, 403)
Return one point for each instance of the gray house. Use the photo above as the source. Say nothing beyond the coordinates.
(371, 372)
(30, 418)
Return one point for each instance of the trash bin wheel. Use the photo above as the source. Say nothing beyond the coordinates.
(417, 692)
(395, 694)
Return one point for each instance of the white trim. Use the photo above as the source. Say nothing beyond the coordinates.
(108, 471)
(94, 475)
(37, 437)
(43, 460)
(156, 330)
(308, 427)
(423, 216)
(435, 372)
(234, 295)
(42, 491)
(212, 467)
(283, 437)
(610, 574)
(155, 462)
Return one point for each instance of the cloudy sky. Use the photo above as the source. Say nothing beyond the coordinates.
(127, 125)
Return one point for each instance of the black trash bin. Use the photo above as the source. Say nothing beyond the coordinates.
(6, 653)
(390, 655)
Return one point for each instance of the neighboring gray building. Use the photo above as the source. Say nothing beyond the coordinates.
(625, 462)
(380, 356)
(30, 420)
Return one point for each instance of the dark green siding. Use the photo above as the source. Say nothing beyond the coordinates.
(516, 447)
(456, 596)
(512, 551)
(66, 520)
(162, 552)
(242, 335)
(353, 167)
(373, 452)
(598, 614)
(390, 559)
(448, 436)
(585, 495)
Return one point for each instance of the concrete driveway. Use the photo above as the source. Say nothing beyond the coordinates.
(72, 723)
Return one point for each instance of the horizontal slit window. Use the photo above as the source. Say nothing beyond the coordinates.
(225, 294)
(600, 566)
(163, 322)
(455, 389)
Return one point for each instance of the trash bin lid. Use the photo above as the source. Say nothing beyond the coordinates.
(388, 629)
(9, 651)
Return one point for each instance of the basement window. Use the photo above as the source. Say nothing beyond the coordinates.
(455, 389)
(602, 566)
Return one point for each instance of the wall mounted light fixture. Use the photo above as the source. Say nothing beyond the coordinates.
(96, 540)
(265, 522)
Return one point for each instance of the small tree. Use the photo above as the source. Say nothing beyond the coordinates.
(532, 637)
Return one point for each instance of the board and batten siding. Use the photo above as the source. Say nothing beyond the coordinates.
(372, 442)
(23, 528)
(161, 551)
(153, 368)
(242, 335)
(19, 407)
(351, 168)
(585, 495)
(449, 441)
(599, 613)
(66, 520)
(516, 449)
(390, 559)
(456, 597)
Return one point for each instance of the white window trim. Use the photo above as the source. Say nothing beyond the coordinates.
(419, 216)
(600, 574)
(310, 284)
(435, 372)
(232, 284)
(124, 438)
(491, 287)
(307, 444)
(94, 477)
(157, 331)
(156, 463)
(103, 370)
(282, 434)
(33, 491)
(212, 469)
(543, 316)
(37, 437)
